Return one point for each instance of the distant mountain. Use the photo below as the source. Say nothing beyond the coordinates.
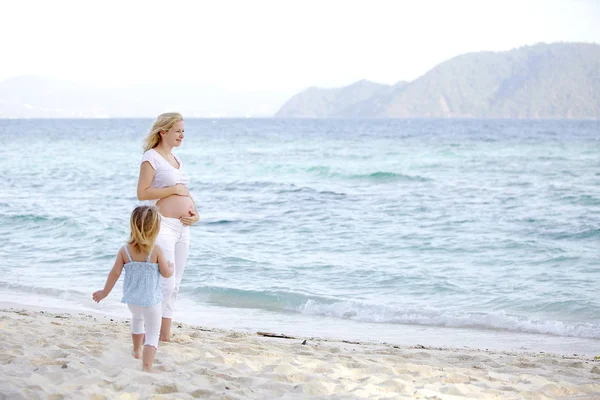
(359, 98)
(40, 97)
(559, 80)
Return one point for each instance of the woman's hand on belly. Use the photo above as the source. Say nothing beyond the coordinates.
(181, 190)
(190, 219)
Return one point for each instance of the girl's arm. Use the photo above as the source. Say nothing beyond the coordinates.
(145, 191)
(113, 277)
(165, 267)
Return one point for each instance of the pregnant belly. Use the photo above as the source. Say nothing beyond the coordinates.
(175, 206)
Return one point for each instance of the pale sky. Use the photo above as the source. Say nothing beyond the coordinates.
(272, 45)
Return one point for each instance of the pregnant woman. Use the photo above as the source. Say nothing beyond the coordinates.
(164, 182)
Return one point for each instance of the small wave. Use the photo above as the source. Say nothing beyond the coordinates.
(586, 234)
(40, 225)
(378, 176)
(244, 185)
(221, 222)
(20, 218)
(285, 301)
(584, 200)
(266, 300)
(319, 170)
(519, 184)
(552, 158)
(389, 176)
(51, 292)
(305, 189)
(495, 321)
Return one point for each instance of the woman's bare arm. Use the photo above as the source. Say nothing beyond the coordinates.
(145, 191)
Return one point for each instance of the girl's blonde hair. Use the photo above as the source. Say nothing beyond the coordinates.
(163, 122)
(145, 224)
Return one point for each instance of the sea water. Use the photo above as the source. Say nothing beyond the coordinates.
(478, 233)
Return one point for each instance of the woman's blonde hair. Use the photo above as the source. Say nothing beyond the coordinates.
(145, 224)
(163, 122)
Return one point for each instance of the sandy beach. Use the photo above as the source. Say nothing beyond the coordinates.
(49, 355)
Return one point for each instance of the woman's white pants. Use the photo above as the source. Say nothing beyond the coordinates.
(174, 240)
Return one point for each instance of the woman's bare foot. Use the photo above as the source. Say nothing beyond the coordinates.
(165, 330)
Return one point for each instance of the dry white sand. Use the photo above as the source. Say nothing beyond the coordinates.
(46, 355)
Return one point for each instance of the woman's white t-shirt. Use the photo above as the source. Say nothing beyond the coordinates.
(166, 174)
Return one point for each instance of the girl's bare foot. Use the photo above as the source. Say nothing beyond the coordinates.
(148, 358)
(137, 353)
(138, 345)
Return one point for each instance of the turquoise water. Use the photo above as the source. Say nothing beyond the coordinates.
(457, 232)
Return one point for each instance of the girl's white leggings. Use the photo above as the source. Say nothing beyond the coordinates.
(146, 320)
(174, 240)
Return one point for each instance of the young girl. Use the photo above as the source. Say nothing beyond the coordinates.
(143, 264)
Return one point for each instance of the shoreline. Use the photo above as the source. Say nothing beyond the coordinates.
(82, 355)
(331, 328)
